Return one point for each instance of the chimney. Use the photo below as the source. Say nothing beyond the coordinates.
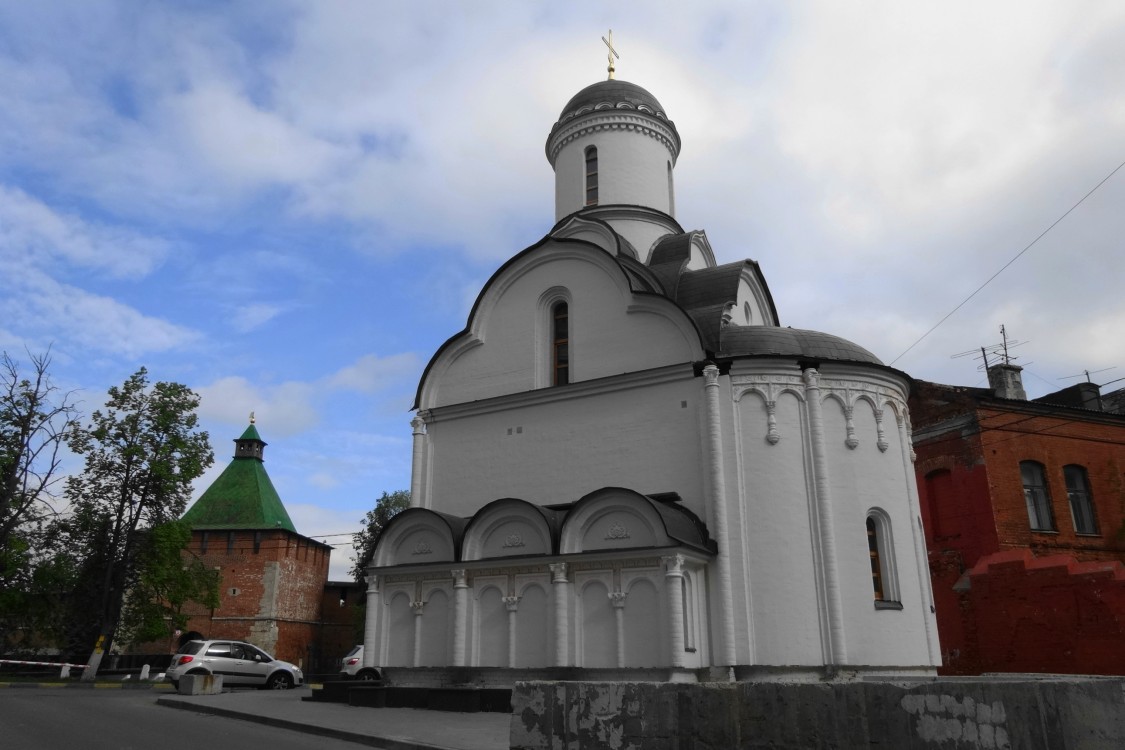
(1006, 382)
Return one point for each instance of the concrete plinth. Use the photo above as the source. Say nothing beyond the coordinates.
(1046, 714)
(201, 684)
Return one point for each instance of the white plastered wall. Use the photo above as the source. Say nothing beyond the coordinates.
(774, 497)
(632, 169)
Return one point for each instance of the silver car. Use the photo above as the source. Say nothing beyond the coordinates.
(239, 664)
(351, 667)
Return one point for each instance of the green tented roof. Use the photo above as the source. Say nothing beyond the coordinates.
(251, 434)
(242, 497)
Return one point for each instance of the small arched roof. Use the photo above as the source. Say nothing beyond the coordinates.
(511, 527)
(619, 518)
(419, 535)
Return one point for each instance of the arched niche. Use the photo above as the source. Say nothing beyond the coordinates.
(415, 536)
(507, 528)
(613, 518)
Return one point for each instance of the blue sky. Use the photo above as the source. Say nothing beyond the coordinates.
(289, 206)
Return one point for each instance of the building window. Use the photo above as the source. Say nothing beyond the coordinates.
(1081, 501)
(876, 558)
(591, 176)
(671, 192)
(257, 542)
(203, 543)
(1035, 494)
(560, 344)
(880, 552)
(230, 542)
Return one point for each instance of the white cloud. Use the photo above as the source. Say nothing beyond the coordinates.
(371, 373)
(34, 233)
(46, 308)
(250, 317)
(287, 407)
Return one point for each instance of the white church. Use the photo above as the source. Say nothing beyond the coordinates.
(625, 463)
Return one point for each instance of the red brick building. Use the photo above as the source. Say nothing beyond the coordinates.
(274, 589)
(1023, 505)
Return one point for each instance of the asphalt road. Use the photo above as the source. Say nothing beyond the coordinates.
(68, 718)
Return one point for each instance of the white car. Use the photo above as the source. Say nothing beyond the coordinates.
(351, 667)
(238, 663)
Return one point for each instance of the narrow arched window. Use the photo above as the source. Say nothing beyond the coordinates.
(560, 344)
(881, 552)
(1039, 512)
(671, 192)
(1081, 501)
(592, 176)
(876, 558)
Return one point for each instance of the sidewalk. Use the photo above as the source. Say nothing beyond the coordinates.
(392, 728)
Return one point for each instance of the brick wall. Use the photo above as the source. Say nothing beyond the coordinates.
(272, 585)
(1015, 611)
(1043, 614)
(1056, 441)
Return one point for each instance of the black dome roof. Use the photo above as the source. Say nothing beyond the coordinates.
(614, 94)
(792, 342)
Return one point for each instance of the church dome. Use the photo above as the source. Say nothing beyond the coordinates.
(792, 342)
(613, 94)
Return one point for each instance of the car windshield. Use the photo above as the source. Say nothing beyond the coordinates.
(191, 647)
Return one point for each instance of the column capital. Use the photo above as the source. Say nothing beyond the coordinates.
(673, 565)
(459, 577)
(419, 422)
(617, 598)
(811, 377)
(558, 572)
(417, 607)
(512, 602)
(711, 376)
(372, 583)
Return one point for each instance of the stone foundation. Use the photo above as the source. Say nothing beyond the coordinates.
(1038, 714)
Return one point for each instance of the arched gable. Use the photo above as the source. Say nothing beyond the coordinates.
(614, 328)
(595, 232)
(508, 528)
(418, 536)
(613, 518)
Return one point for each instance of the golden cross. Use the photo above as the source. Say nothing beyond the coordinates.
(612, 53)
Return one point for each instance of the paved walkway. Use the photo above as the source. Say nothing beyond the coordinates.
(391, 728)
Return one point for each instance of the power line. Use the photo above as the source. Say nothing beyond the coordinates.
(1010, 262)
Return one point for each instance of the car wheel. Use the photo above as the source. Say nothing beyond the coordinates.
(368, 675)
(279, 681)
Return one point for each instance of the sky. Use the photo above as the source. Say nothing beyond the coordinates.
(288, 206)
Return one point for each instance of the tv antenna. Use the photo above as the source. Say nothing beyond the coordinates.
(1001, 352)
(1087, 373)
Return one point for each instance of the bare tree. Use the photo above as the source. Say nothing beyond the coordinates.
(34, 419)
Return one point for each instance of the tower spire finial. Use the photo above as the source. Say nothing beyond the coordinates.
(251, 417)
(611, 54)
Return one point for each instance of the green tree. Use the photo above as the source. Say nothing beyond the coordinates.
(34, 419)
(141, 455)
(168, 578)
(386, 508)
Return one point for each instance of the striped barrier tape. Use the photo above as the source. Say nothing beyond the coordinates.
(40, 663)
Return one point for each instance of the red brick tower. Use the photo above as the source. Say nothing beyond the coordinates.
(273, 578)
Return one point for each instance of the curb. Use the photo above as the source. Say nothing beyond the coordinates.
(363, 739)
(88, 685)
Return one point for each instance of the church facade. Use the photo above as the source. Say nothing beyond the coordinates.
(624, 462)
